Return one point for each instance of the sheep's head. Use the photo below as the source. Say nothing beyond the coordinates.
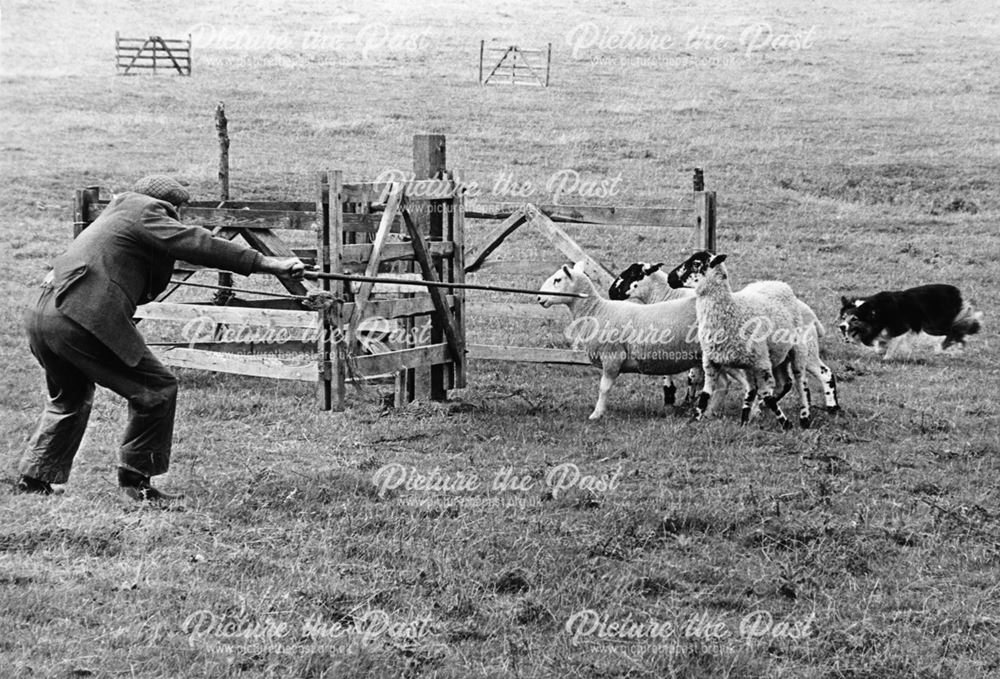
(563, 280)
(696, 268)
(632, 283)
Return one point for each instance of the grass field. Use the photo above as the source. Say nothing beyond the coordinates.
(866, 159)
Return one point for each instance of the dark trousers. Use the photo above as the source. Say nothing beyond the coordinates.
(74, 361)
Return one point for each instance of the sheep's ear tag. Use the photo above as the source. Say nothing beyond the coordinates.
(716, 261)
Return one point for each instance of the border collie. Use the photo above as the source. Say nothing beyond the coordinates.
(894, 320)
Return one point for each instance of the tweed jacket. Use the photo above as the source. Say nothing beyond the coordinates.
(125, 258)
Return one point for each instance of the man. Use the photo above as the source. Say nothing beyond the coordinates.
(82, 334)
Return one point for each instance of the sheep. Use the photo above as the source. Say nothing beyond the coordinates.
(755, 331)
(620, 290)
(654, 339)
(648, 284)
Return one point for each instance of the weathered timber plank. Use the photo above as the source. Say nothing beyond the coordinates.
(269, 244)
(415, 190)
(493, 352)
(254, 366)
(561, 240)
(581, 214)
(284, 349)
(494, 239)
(441, 312)
(365, 290)
(404, 359)
(354, 254)
(405, 306)
(187, 313)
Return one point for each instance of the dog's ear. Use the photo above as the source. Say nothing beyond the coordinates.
(845, 303)
(716, 261)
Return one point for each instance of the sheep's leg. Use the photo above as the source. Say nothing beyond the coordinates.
(744, 377)
(669, 391)
(799, 375)
(608, 377)
(712, 375)
(782, 385)
(749, 395)
(825, 376)
(692, 379)
(766, 385)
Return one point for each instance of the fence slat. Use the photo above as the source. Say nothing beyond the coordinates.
(375, 253)
(186, 313)
(355, 254)
(583, 214)
(404, 359)
(493, 352)
(239, 364)
(559, 238)
(494, 239)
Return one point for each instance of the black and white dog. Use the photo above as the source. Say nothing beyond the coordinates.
(894, 320)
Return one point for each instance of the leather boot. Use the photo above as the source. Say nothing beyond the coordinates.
(136, 487)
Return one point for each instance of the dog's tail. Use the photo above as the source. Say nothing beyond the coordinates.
(968, 321)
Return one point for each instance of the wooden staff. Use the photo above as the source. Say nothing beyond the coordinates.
(312, 275)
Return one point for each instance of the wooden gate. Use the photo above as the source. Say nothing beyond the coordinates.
(152, 53)
(360, 228)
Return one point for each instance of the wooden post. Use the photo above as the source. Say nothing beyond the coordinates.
(81, 207)
(482, 48)
(331, 385)
(324, 386)
(429, 162)
(223, 297)
(336, 263)
(190, 55)
(548, 65)
(457, 236)
(704, 213)
(222, 128)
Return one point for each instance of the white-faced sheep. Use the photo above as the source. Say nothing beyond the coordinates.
(654, 339)
(648, 283)
(752, 331)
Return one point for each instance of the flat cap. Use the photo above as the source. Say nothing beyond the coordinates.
(162, 187)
